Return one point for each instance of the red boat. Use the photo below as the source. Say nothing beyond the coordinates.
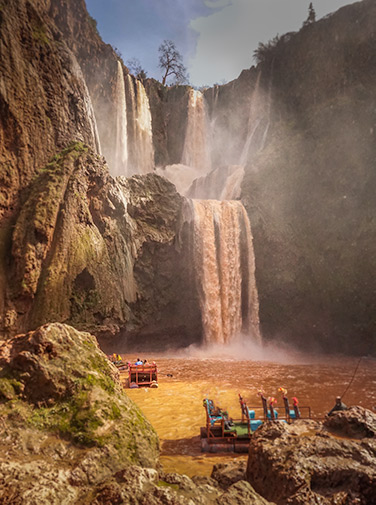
(143, 375)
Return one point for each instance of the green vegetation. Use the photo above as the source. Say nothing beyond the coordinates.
(9, 388)
(40, 34)
(93, 22)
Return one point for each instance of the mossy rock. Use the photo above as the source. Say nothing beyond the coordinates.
(56, 380)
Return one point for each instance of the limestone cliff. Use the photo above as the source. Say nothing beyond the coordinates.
(309, 192)
(302, 122)
(98, 253)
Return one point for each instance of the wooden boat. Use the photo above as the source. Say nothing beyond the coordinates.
(145, 375)
(224, 434)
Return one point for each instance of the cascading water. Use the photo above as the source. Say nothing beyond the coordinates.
(119, 162)
(195, 151)
(143, 161)
(225, 270)
(258, 120)
(88, 105)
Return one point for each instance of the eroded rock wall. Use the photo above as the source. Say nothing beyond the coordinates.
(99, 253)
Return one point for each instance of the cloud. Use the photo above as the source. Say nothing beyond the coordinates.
(216, 4)
(227, 37)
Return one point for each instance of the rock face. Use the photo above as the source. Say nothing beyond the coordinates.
(308, 192)
(302, 124)
(75, 245)
(302, 464)
(44, 101)
(355, 422)
(98, 253)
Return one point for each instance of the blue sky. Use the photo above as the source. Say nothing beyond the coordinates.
(215, 37)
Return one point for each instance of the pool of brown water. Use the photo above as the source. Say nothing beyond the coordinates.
(176, 412)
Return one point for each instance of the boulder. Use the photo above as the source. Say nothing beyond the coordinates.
(356, 422)
(227, 474)
(241, 493)
(302, 464)
(66, 424)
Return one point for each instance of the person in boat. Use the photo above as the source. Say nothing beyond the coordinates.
(339, 405)
(139, 362)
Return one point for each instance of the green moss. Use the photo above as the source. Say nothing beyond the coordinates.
(9, 388)
(40, 34)
(76, 419)
(162, 483)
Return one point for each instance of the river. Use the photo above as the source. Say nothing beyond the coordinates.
(176, 412)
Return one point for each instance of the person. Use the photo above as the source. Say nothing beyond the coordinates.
(139, 362)
(339, 405)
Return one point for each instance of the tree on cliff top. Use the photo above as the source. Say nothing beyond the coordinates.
(311, 15)
(136, 68)
(171, 63)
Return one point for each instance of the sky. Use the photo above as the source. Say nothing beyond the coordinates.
(215, 37)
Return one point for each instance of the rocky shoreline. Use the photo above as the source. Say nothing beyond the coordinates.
(70, 435)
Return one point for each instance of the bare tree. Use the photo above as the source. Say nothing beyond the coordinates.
(171, 63)
(136, 68)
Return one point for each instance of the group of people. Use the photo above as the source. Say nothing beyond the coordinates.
(140, 362)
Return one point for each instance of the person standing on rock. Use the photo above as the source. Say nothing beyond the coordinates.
(338, 406)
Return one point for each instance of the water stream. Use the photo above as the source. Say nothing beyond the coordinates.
(175, 408)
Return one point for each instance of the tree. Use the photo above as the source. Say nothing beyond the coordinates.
(311, 15)
(266, 51)
(171, 63)
(136, 68)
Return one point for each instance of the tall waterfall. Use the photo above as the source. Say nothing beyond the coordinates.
(120, 158)
(196, 151)
(225, 270)
(143, 150)
(88, 105)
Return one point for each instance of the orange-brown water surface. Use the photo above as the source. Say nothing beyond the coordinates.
(176, 412)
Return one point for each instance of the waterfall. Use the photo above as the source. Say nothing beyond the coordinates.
(195, 151)
(120, 158)
(88, 106)
(143, 151)
(233, 185)
(258, 120)
(254, 119)
(225, 270)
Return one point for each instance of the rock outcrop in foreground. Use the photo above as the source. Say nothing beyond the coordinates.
(303, 464)
(66, 424)
(70, 435)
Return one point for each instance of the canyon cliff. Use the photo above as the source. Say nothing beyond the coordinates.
(113, 256)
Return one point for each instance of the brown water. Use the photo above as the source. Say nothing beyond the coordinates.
(176, 412)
